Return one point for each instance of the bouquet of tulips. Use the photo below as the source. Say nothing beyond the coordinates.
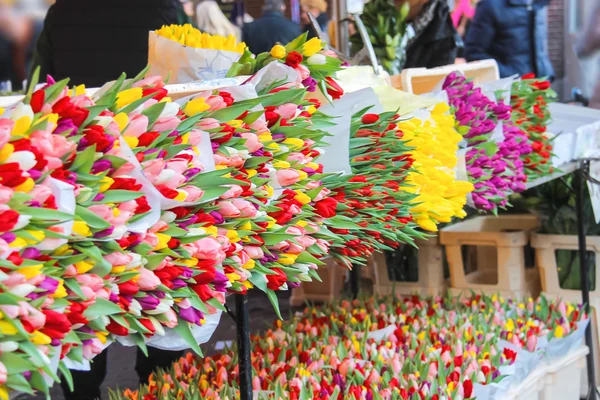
(185, 54)
(305, 61)
(530, 113)
(493, 159)
(383, 349)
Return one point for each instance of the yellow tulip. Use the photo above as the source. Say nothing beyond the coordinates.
(195, 106)
(128, 96)
(311, 47)
(278, 51)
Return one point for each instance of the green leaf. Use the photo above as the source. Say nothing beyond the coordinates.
(84, 160)
(120, 196)
(91, 219)
(259, 281)
(234, 111)
(340, 222)
(66, 374)
(47, 214)
(35, 78)
(306, 257)
(17, 362)
(272, 239)
(274, 301)
(102, 307)
(183, 329)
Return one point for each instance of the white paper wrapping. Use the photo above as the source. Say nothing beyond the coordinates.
(64, 196)
(337, 154)
(504, 85)
(382, 334)
(186, 64)
(273, 72)
(559, 348)
(159, 202)
(172, 341)
(84, 365)
(460, 171)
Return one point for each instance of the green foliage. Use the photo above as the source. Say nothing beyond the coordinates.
(386, 27)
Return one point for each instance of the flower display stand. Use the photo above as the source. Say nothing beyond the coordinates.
(497, 263)
(332, 275)
(545, 254)
(431, 279)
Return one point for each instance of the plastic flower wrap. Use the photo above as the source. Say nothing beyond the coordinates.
(493, 152)
(440, 194)
(184, 54)
(382, 349)
(313, 65)
(372, 198)
(530, 113)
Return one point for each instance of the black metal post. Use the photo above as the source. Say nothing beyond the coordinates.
(584, 272)
(243, 340)
(355, 280)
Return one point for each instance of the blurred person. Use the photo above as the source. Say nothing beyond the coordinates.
(462, 14)
(93, 42)
(434, 40)
(211, 20)
(272, 28)
(318, 9)
(512, 32)
(19, 28)
(589, 44)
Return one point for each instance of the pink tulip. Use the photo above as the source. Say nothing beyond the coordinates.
(194, 193)
(228, 210)
(287, 177)
(147, 280)
(247, 209)
(287, 111)
(166, 124)
(252, 143)
(3, 374)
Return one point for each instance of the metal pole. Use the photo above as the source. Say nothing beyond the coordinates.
(584, 273)
(243, 339)
(355, 280)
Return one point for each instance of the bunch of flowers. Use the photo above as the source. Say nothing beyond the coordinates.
(381, 349)
(189, 36)
(372, 197)
(493, 151)
(530, 113)
(440, 195)
(313, 63)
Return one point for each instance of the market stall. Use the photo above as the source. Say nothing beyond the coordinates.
(130, 212)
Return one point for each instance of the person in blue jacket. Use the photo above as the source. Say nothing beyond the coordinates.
(512, 32)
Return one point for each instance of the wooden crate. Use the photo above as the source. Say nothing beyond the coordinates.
(430, 281)
(498, 258)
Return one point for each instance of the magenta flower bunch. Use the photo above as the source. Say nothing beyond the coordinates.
(493, 151)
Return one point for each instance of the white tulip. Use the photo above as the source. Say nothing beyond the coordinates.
(21, 110)
(103, 121)
(316, 59)
(8, 347)
(22, 221)
(25, 159)
(22, 290)
(168, 217)
(170, 110)
(165, 176)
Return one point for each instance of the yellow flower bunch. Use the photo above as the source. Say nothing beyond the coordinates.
(189, 36)
(440, 197)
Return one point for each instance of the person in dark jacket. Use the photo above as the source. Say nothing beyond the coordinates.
(512, 32)
(93, 42)
(272, 28)
(434, 42)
